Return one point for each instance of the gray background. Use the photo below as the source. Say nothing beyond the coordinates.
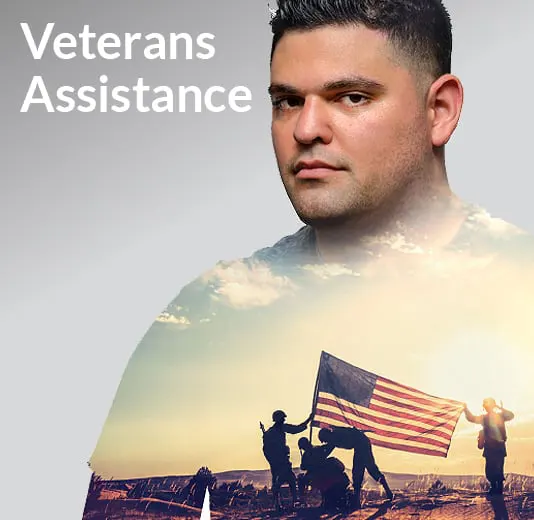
(106, 216)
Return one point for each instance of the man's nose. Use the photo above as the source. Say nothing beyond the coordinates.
(313, 122)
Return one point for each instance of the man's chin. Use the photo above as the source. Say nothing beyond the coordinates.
(323, 207)
(322, 218)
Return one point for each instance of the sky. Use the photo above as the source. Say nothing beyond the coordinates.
(245, 339)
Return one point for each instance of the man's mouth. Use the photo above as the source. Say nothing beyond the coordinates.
(314, 169)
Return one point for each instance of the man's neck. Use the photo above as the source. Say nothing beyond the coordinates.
(426, 221)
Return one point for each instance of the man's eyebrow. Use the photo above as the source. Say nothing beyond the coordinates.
(356, 82)
(282, 88)
(349, 83)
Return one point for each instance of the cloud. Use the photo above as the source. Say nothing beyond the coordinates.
(496, 226)
(396, 242)
(244, 285)
(326, 271)
(167, 317)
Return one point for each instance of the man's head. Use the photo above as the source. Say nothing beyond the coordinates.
(304, 444)
(279, 416)
(325, 435)
(489, 404)
(363, 101)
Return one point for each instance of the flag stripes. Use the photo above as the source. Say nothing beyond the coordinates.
(394, 415)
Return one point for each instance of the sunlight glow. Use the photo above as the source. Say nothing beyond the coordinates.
(476, 366)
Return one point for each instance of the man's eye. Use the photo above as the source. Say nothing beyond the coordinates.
(285, 103)
(353, 99)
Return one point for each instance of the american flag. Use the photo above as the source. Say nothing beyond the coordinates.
(394, 416)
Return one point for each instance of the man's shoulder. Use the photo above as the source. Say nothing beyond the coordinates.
(344, 430)
(296, 247)
(485, 233)
(241, 282)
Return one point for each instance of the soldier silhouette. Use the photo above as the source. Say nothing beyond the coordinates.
(363, 458)
(277, 453)
(325, 473)
(492, 440)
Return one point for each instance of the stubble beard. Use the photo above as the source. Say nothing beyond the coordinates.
(324, 206)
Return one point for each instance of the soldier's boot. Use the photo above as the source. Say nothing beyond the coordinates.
(385, 485)
(355, 502)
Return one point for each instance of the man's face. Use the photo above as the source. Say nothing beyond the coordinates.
(350, 126)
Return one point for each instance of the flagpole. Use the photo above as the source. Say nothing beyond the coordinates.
(315, 392)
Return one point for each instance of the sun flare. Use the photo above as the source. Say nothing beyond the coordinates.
(475, 366)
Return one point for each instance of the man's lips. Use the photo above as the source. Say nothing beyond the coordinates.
(314, 170)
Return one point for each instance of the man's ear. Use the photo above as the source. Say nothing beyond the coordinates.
(445, 101)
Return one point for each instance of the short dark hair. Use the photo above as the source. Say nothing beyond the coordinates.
(420, 29)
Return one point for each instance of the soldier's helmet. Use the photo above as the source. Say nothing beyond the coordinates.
(303, 443)
(279, 415)
(325, 434)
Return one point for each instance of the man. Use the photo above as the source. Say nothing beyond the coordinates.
(325, 473)
(277, 453)
(493, 440)
(363, 458)
(364, 104)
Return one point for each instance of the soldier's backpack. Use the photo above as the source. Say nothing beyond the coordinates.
(274, 448)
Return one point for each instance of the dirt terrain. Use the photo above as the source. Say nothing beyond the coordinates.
(416, 497)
